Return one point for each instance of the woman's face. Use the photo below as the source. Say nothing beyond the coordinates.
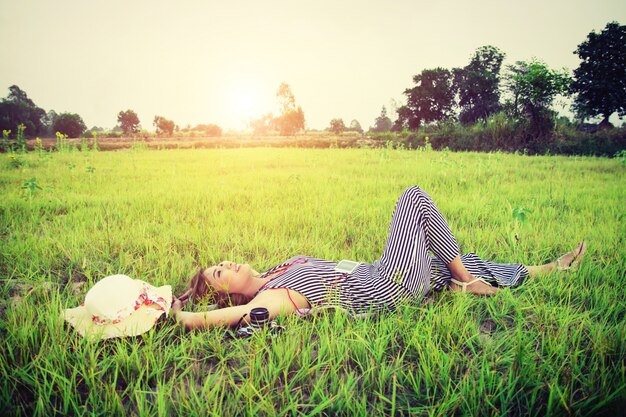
(229, 277)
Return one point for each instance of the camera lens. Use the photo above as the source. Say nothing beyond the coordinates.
(259, 317)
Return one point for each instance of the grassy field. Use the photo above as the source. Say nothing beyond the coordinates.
(553, 346)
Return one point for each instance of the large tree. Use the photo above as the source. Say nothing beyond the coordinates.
(533, 87)
(600, 80)
(478, 85)
(70, 124)
(432, 99)
(129, 122)
(17, 109)
(291, 118)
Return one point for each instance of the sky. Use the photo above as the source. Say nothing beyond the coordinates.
(222, 61)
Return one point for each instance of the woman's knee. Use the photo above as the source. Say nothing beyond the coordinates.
(415, 194)
(412, 190)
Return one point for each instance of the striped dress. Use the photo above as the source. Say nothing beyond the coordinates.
(418, 248)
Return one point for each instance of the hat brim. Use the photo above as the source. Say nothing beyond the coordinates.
(140, 321)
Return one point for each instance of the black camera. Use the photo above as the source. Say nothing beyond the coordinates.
(259, 320)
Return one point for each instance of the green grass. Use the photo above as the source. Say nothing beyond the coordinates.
(553, 346)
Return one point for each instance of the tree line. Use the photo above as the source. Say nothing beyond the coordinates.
(20, 115)
(473, 94)
(17, 109)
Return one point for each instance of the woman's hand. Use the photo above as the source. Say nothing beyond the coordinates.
(177, 305)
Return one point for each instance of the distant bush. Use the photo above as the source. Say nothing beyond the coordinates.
(113, 134)
(606, 142)
(501, 133)
(209, 129)
(164, 127)
(383, 136)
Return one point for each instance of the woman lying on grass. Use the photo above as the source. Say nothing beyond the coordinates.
(405, 271)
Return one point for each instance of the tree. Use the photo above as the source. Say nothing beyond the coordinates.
(431, 99)
(209, 129)
(290, 122)
(49, 120)
(382, 122)
(291, 119)
(477, 85)
(355, 126)
(163, 126)
(70, 124)
(93, 131)
(533, 87)
(18, 109)
(600, 80)
(286, 99)
(337, 126)
(129, 122)
(262, 125)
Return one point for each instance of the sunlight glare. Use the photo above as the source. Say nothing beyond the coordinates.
(245, 103)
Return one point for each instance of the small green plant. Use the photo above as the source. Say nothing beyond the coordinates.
(621, 156)
(21, 138)
(15, 160)
(519, 214)
(6, 142)
(84, 144)
(94, 143)
(31, 186)
(427, 146)
(520, 221)
(91, 170)
(39, 146)
(62, 144)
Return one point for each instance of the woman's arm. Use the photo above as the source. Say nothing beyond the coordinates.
(228, 316)
(277, 301)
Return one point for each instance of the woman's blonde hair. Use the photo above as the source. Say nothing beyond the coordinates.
(199, 289)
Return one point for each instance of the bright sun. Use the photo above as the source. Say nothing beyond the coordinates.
(245, 103)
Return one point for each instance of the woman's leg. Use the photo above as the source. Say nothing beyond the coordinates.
(417, 228)
(499, 274)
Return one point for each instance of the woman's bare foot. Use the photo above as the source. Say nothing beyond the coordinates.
(474, 286)
(572, 259)
(569, 261)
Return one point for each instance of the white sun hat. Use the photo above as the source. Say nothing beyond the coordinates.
(118, 306)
